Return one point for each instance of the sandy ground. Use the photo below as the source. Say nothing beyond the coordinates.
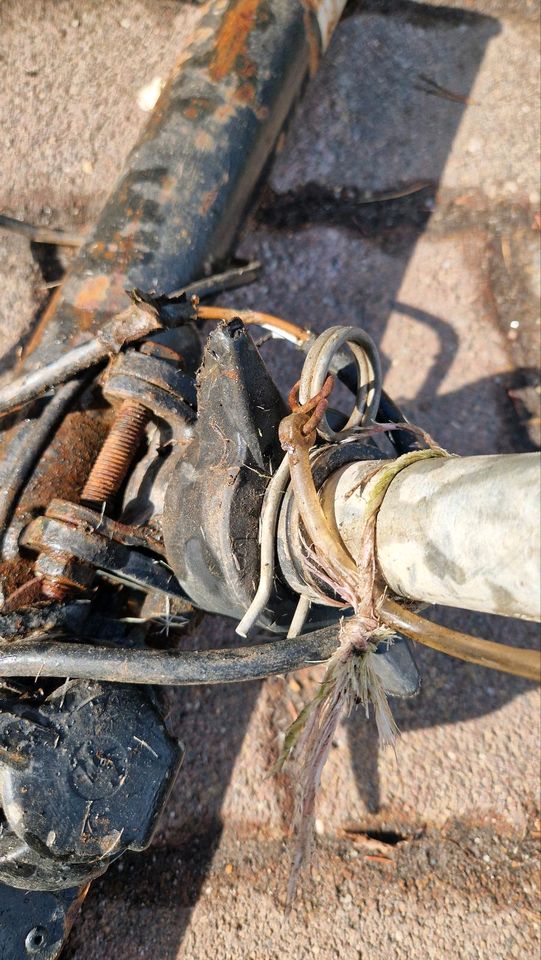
(435, 852)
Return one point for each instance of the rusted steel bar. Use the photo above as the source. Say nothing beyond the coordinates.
(116, 455)
(135, 322)
(186, 185)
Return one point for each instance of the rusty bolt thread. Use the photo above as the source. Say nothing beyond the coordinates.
(106, 476)
(116, 455)
(53, 589)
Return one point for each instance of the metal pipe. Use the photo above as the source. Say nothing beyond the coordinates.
(14, 471)
(177, 207)
(460, 531)
(132, 324)
(44, 658)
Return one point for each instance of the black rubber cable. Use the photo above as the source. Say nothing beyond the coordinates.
(30, 444)
(46, 658)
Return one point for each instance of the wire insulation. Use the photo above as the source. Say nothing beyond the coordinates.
(46, 658)
(283, 329)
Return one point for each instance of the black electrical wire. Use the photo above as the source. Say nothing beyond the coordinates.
(46, 658)
(34, 437)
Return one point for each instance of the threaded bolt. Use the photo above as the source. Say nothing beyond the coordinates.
(53, 589)
(107, 475)
(116, 455)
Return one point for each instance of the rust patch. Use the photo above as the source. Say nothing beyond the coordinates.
(231, 55)
(92, 294)
(197, 107)
(232, 38)
(13, 575)
(247, 93)
(207, 200)
(203, 141)
(98, 296)
(61, 472)
(67, 462)
(24, 596)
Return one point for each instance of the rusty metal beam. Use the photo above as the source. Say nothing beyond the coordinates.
(177, 206)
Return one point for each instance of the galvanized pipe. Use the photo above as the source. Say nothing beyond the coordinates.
(460, 531)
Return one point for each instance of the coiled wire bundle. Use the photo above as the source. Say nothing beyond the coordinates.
(319, 363)
(320, 359)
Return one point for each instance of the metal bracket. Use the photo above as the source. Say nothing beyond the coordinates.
(104, 546)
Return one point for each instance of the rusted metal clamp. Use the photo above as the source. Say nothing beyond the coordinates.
(75, 544)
